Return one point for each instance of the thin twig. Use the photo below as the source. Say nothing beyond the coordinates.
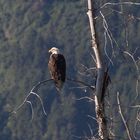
(137, 92)
(110, 36)
(138, 114)
(32, 111)
(120, 3)
(88, 69)
(135, 106)
(36, 87)
(122, 116)
(135, 130)
(132, 59)
(83, 87)
(15, 111)
(92, 118)
(137, 123)
(40, 102)
(84, 74)
(94, 59)
(90, 129)
(81, 82)
(85, 98)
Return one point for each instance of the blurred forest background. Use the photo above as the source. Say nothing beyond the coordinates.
(28, 29)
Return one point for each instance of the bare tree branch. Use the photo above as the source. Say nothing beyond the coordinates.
(123, 119)
(90, 99)
(81, 82)
(33, 92)
(137, 92)
(107, 33)
(120, 3)
(132, 57)
(40, 102)
(30, 103)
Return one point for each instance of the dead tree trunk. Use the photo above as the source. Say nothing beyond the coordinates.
(100, 82)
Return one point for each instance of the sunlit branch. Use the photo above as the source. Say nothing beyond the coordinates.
(81, 82)
(92, 118)
(135, 51)
(138, 114)
(137, 92)
(80, 87)
(122, 116)
(135, 106)
(106, 29)
(15, 111)
(40, 102)
(88, 69)
(120, 3)
(32, 111)
(93, 58)
(109, 34)
(85, 98)
(36, 87)
(132, 57)
(33, 92)
(137, 122)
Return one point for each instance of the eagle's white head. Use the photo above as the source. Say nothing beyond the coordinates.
(54, 50)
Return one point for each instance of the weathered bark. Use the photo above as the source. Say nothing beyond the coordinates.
(99, 101)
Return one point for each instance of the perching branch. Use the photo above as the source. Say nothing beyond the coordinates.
(81, 82)
(33, 92)
(36, 87)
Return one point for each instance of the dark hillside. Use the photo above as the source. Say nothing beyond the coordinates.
(28, 29)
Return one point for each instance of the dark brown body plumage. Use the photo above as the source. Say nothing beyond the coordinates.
(57, 67)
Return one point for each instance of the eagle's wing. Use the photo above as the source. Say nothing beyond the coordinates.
(57, 67)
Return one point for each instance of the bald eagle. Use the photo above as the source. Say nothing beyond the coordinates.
(57, 67)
